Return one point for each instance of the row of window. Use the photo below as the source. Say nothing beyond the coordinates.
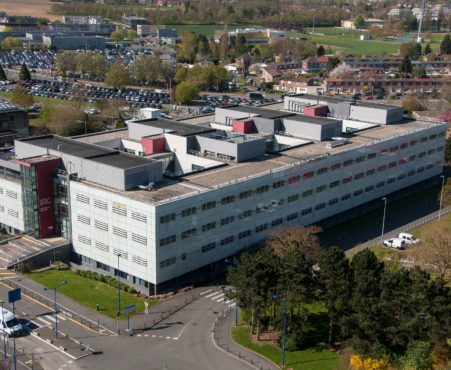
(10, 212)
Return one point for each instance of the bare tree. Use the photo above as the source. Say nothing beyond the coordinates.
(285, 240)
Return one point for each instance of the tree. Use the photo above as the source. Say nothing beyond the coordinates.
(341, 71)
(147, 68)
(117, 76)
(185, 92)
(320, 51)
(131, 35)
(419, 72)
(405, 68)
(119, 35)
(63, 120)
(10, 43)
(284, 241)
(427, 49)
(435, 248)
(445, 45)
(410, 49)
(359, 22)
(24, 73)
(332, 63)
(448, 150)
(335, 279)
(20, 97)
(3, 76)
(181, 74)
(65, 62)
(412, 103)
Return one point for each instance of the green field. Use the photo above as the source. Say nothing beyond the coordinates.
(88, 292)
(200, 29)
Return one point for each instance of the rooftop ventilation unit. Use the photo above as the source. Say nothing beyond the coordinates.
(150, 186)
(337, 141)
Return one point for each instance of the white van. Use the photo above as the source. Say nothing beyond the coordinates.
(408, 238)
(395, 243)
(9, 323)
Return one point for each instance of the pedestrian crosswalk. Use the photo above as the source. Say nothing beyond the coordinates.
(46, 320)
(219, 297)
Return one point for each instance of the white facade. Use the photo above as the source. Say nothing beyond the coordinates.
(11, 204)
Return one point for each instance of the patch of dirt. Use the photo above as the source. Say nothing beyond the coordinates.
(35, 8)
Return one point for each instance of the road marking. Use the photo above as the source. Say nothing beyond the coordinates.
(146, 335)
(168, 337)
(209, 290)
(160, 336)
(43, 320)
(175, 338)
(36, 323)
(51, 318)
(153, 336)
(220, 300)
(70, 362)
(214, 298)
(139, 335)
(211, 294)
(228, 302)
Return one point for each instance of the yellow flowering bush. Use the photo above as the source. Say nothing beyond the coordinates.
(358, 363)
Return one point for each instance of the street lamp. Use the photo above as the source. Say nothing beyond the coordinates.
(229, 262)
(383, 219)
(118, 288)
(64, 282)
(441, 197)
(4, 334)
(276, 298)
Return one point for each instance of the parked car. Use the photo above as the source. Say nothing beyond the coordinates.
(9, 323)
(395, 243)
(408, 238)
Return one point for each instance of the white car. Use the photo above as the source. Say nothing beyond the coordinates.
(408, 238)
(395, 243)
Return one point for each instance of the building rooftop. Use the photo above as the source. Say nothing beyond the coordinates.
(376, 105)
(6, 107)
(313, 120)
(175, 127)
(267, 113)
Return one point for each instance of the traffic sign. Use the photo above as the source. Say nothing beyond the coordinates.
(14, 295)
(129, 309)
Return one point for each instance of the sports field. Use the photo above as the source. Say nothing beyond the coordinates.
(35, 8)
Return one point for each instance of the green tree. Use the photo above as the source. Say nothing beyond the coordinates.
(119, 35)
(3, 76)
(332, 63)
(147, 68)
(24, 73)
(405, 67)
(445, 45)
(131, 35)
(417, 356)
(117, 76)
(181, 74)
(320, 51)
(64, 120)
(202, 45)
(9, 43)
(335, 279)
(21, 97)
(427, 49)
(359, 22)
(185, 92)
(65, 62)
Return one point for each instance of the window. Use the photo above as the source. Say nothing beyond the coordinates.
(119, 232)
(420, 169)
(102, 246)
(335, 166)
(380, 184)
(2, 208)
(139, 216)
(293, 198)
(360, 159)
(382, 168)
(189, 212)
(306, 211)
(334, 184)
(423, 139)
(168, 240)
(262, 189)
(321, 188)
(245, 194)
(139, 261)
(432, 137)
(307, 193)
(245, 214)
(227, 240)
(411, 173)
(320, 206)
(101, 225)
(394, 149)
(392, 164)
(188, 233)
(84, 239)
(359, 176)
(440, 149)
(429, 166)
(308, 175)
(84, 220)
(321, 171)
(292, 216)
(102, 266)
(413, 142)
(346, 196)
(100, 204)
(391, 180)
(227, 200)
(227, 220)
(208, 227)
(294, 179)
(401, 176)
(431, 151)
(119, 209)
(347, 179)
(82, 198)
(372, 155)
(404, 145)
(168, 262)
(370, 172)
(333, 201)
(208, 247)
(166, 218)
(412, 157)
(13, 213)
(139, 239)
(261, 228)
(208, 205)
(276, 222)
(11, 194)
(244, 234)
(278, 184)
(348, 163)
(422, 154)
(358, 192)
(369, 188)
(441, 134)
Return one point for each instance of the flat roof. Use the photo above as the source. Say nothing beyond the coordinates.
(92, 152)
(321, 97)
(178, 128)
(376, 105)
(6, 107)
(263, 112)
(313, 120)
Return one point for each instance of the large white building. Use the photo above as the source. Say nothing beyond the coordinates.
(188, 194)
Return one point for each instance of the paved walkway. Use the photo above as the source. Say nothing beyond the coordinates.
(223, 339)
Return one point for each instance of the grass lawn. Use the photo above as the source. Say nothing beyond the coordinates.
(417, 232)
(88, 292)
(308, 359)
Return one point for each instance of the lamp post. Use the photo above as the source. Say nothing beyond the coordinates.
(4, 335)
(229, 262)
(276, 298)
(118, 313)
(441, 197)
(64, 282)
(383, 219)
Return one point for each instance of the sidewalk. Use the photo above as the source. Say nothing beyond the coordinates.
(223, 339)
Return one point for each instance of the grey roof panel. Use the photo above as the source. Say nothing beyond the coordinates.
(178, 128)
(266, 113)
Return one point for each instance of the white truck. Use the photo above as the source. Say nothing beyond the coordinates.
(408, 238)
(395, 243)
(9, 324)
